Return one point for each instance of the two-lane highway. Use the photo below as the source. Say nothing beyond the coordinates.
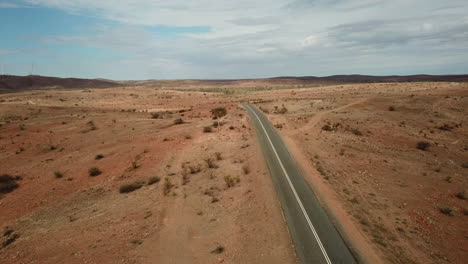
(314, 236)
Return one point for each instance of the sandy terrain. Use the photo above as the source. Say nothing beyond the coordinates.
(386, 194)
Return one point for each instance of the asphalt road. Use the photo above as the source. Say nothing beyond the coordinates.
(314, 236)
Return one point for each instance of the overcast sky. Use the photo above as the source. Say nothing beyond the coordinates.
(176, 39)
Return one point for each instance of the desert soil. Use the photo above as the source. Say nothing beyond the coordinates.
(189, 216)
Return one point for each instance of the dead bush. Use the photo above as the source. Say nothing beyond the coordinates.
(207, 129)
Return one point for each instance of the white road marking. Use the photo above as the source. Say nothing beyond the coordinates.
(294, 190)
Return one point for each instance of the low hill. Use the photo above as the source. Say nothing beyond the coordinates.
(12, 83)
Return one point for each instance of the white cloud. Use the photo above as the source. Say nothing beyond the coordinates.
(251, 38)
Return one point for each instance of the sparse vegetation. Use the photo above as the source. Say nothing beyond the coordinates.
(126, 188)
(194, 169)
(136, 162)
(231, 181)
(8, 183)
(218, 156)
(93, 172)
(207, 129)
(327, 127)
(99, 156)
(167, 186)
(10, 237)
(154, 180)
(356, 132)
(423, 145)
(246, 169)
(446, 210)
(391, 108)
(283, 110)
(58, 174)
(218, 250)
(211, 164)
(462, 195)
(178, 121)
(445, 127)
(91, 125)
(155, 115)
(218, 112)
